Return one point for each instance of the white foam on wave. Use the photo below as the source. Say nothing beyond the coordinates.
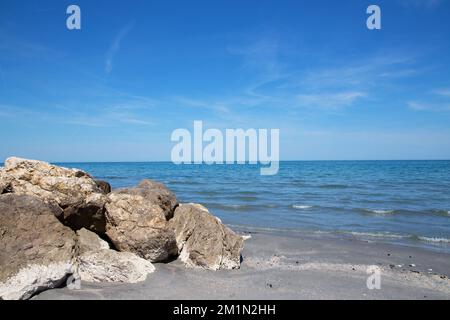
(435, 239)
(377, 235)
(301, 207)
(378, 211)
(234, 206)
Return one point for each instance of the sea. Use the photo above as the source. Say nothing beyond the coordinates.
(402, 202)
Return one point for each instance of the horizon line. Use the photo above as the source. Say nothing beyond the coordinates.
(234, 163)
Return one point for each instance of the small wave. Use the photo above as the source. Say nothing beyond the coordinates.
(111, 178)
(333, 186)
(301, 207)
(379, 211)
(434, 239)
(229, 207)
(208, 193)
(377, 234)
(248, 193)
(187, 182)
(246, 198)
(442, 213)
(235, 206)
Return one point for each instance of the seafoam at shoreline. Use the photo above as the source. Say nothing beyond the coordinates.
(428, 243)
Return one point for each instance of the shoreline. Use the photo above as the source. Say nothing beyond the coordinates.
(412, 242)
(286, 267)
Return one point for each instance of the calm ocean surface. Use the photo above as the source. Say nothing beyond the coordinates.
(406, 202)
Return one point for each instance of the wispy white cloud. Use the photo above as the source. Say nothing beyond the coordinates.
(115, 46)
(14, 47)
(329, 100)
(261, 55)
(131, 118)
(103, 117)
(108, 117)
(438, 101)
(427, 106)
(218, 106)
(12, 111)
(442, 92)
(332, 88)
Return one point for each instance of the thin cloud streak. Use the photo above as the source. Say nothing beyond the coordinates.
(422, 106)
(329, 101)
(115, 46)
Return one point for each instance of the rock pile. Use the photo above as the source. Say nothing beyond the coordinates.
(57, 223)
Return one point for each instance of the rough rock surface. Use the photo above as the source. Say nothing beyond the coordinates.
(36, 251)
(156, 193)
(73, 190)
(89, 241)
(104, 186)
(203, 241)
(5, 182)
(137, 224)
(98, 263)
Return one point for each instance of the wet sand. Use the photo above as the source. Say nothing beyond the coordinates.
(275, 266)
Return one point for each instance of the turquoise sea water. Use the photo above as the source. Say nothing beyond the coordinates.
(398, 201)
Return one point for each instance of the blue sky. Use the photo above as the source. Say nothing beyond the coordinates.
(115, 90)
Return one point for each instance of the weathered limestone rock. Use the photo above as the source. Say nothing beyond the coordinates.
(73, 190)
(5, 182)
(36, 251)
(104, 186)
(113, 266)
(203, 241)
(89, 241)
(88, 213)
(98, 263)
(137, 224)
(156, 193)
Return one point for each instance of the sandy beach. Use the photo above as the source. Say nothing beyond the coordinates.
(274, 266)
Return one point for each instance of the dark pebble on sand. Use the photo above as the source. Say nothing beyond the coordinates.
(269, 285)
